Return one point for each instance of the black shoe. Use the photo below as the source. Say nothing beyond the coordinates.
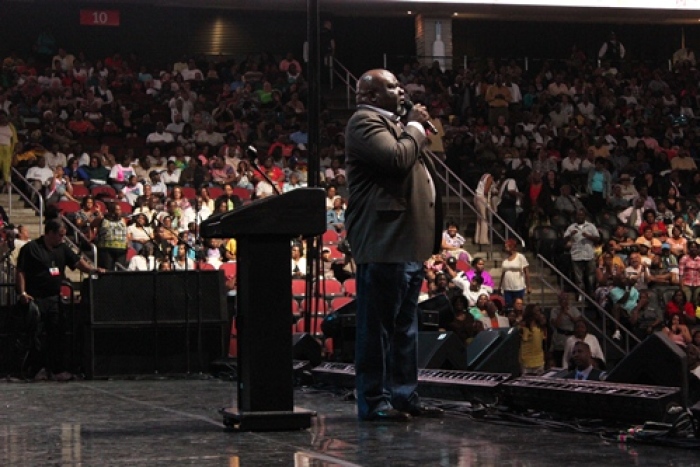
(388, 415)
(427, 411)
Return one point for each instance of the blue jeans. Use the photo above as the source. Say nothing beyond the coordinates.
(386, 367)
(511, 295)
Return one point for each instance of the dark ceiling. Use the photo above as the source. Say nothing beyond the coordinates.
(398, 7)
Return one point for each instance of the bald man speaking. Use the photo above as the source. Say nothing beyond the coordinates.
(394, 224)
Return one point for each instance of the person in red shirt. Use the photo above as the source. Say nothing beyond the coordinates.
(678, 305)
(658, 227)
(80, 125)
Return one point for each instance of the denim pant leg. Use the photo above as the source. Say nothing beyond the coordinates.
(404, 344)
(386, 302)
(509, 296)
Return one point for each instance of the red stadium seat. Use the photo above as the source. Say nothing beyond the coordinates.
(350, 286)
(189, 192)
(68, 207)
(330, 237)
(315, 328)
(242, 193)
(330, 288)
(66, 294)
(318, 307)
(298, 288)
(80, 191)
(215, 192)
(104, 191)
(126, 208)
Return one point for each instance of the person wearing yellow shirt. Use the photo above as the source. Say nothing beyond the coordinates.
(533, 333)
(8, 142)
(498, 98)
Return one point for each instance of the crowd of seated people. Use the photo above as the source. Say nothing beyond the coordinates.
(171, 144)
(594, 165)
(616, 140)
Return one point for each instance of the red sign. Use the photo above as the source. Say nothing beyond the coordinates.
(99, 17)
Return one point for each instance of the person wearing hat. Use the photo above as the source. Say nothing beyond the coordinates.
(327, 263)
(649, 241)
(628, 191)
(157, 185)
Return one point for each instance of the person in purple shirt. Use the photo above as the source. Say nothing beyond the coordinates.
(478, 269)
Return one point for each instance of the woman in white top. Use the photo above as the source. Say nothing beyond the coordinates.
(452, 243)
(515, 278)
(482, 200)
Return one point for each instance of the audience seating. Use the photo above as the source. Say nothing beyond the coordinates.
(104, 191)
(215, 192)
(330, 237)
(350, 286)
(126, 208)
(243, 193)
(67, 207)
(80, 191)
(330, 288)
(298, 288)
(189, 192)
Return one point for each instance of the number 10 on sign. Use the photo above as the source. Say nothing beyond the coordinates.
(99, 17)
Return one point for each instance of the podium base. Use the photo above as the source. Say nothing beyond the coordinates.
(297, 419)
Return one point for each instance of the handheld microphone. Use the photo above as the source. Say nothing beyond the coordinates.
(428, 125)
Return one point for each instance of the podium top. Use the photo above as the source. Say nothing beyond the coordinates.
(297, 212)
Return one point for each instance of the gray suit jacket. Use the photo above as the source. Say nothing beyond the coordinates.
(391, 216)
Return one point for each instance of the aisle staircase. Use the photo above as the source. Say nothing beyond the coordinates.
(21, 211)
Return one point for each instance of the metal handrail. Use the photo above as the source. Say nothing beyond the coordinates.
(82, 235)
(40, 208)
(606, 314)
(346, 77)
(491, 213)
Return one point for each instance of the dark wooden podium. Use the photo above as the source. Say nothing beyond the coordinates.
(263, 231)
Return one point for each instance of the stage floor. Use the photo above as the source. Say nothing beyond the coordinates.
(175, 422)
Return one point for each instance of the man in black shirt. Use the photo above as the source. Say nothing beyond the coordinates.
(40, 271)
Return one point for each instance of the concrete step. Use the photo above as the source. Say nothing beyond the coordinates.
(20, 214)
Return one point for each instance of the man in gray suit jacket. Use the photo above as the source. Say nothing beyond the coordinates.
(394, 224)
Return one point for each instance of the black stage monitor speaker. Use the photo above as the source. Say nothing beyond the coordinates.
(139, 349)
(305, 347)
(439, 305)
(656, 361)
(441, 350)
(495, 351)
